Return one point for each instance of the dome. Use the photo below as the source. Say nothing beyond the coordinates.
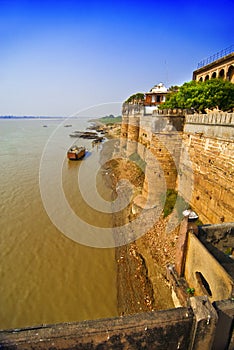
(159, 88)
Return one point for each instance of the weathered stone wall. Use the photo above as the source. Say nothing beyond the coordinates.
(193, 153)
(209, 142)
(181, 328)
(124, 132)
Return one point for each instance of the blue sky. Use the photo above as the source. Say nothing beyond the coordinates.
(57, 57)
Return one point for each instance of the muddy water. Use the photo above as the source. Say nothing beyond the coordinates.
(45, 276)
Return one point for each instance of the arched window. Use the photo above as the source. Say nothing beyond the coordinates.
(201, 79)
(207, 77)
(213, 75)
(230, 74)
(221, 74)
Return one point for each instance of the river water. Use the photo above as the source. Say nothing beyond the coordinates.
(45, 276)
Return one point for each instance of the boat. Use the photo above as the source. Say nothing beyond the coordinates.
(84, 134)
(76, 152)
(98, 139)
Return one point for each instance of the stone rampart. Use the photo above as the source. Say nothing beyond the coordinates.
(195, 152)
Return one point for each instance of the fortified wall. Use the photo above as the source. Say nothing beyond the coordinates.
(209, 140)
(190, 153)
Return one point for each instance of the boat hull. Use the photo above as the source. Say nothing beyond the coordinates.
(76, 153)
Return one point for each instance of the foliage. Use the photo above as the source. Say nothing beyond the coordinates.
(190, 291)
(174, 88)
(214, 93)
(174, 201)
(136, 97)
(228, 251)
(170, 200)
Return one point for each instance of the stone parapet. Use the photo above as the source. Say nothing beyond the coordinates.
(132, 109)
(173, 112)
(217, 124)
(193, 327)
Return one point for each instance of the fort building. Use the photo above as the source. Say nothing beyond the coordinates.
(219, 65)
(156, 95)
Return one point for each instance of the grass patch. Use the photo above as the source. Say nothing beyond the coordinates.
(174, 201)
(134, 157)
(170, 200)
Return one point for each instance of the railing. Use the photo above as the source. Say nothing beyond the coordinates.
(216, 56)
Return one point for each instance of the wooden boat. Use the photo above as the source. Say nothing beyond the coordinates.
(76, 152)
(84, 134)
(98, 139)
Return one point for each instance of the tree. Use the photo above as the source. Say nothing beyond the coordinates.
(214, 93)
(136, 98)
(174, 88)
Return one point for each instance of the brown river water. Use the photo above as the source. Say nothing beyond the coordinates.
(45, 276)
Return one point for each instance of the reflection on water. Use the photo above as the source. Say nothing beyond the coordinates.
(46, 277)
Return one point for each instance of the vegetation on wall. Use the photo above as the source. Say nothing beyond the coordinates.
(174, 201)
(136, 98)
(197, 95)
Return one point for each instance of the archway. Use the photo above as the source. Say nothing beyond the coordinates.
(221, 74)
(207, 77)
(213, 75)
(230, 74)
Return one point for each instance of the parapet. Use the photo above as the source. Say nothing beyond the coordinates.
(216, 124)
(193, 327)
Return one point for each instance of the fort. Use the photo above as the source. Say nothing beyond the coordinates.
(193, 150)
(219, 65)
(191, 154)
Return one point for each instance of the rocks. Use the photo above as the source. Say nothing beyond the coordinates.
(141, 265)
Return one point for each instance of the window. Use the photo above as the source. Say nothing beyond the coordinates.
(203, 283)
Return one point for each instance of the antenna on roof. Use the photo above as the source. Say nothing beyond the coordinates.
(166, 74)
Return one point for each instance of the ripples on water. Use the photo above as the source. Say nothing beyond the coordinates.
(45, 277)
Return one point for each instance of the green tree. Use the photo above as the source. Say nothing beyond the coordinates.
(139, 97)
(214, 93)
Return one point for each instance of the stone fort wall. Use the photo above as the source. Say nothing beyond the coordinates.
(193, 153)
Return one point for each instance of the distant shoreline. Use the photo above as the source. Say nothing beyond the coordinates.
(30, 117)
(106, 120)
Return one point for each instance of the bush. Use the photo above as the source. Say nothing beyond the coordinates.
(197, 95)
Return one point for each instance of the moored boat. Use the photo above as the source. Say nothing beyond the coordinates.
(76, 152)
(84, 134)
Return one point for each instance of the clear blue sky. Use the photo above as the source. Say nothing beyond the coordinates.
(57, 57)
